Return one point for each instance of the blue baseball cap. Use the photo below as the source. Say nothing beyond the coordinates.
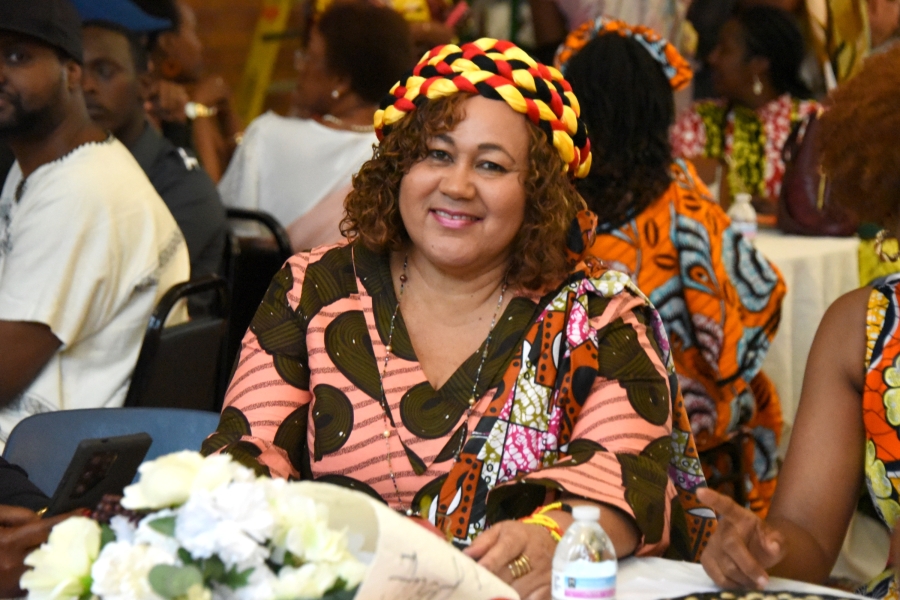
(123, 13)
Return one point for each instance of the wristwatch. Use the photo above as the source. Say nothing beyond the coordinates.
(195, 110)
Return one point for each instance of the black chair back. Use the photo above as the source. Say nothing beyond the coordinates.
(251, 266)
(181, 366)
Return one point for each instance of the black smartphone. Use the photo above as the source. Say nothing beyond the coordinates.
(100, 466)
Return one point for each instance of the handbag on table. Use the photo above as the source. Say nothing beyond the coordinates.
(805, 206)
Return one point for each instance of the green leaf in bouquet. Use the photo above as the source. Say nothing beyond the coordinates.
(236, 579)
(186, 558)
(170, 582)
(107, 535)
(341, 594)
(213, 569)
(164, 525)
(292, 561)
(86, 582)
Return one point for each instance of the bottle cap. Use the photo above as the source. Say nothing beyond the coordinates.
(586, 513)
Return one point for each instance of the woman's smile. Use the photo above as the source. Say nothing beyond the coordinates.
(453, 219)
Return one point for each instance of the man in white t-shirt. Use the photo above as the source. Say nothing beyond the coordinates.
(87, 246)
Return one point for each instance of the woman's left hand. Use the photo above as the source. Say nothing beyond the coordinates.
(499, 546)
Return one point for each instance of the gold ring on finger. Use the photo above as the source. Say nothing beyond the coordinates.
(520, 566)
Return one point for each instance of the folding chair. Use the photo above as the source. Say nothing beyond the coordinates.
(43, 444)
(181, 366)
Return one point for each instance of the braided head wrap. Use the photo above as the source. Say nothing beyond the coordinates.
(674, 65)
(498, 70)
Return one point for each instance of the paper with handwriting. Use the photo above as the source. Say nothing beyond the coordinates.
(408, 561)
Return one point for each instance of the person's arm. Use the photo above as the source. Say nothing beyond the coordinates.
(29, 346)
(17, 490)
(270, 385)
(21, 531)
(822, 473)
(215, 136)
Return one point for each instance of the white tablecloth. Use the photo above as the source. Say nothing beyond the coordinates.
(654, 578)
(817, 271)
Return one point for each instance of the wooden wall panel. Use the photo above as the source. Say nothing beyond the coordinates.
(226, 30)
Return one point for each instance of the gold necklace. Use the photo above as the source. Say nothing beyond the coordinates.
(349, 126)
(387, 356)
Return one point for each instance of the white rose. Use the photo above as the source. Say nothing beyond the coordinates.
(260, 586)
(122, 571)
(170, 479)
(198, 592)
(352, 571)
(309, 581)
(316, 543)
(147, 535)
(232, 522)
(123, 529)
(62, 565)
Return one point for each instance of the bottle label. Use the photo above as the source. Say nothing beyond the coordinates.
(582, 579)
(746, 228)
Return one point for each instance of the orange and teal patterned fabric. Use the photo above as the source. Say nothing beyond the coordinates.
(881, 412)
(720, 301)
(574, 396)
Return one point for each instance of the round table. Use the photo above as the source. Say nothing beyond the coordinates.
(817, 270)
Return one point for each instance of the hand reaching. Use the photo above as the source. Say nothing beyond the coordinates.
(499, 546)
(21, 531)
(742, 548)
(166, 101)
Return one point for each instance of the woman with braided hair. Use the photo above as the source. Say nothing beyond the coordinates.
(449, 360)
(719, 298)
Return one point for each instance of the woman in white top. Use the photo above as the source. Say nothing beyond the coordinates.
(299, 168)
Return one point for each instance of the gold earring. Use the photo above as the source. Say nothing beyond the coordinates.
(884, 256)
(757, 86)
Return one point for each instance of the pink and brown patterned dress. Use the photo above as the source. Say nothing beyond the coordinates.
(575, 397)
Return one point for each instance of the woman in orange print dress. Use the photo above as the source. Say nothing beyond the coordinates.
(846, 437)
(720, 300)
(448, 360)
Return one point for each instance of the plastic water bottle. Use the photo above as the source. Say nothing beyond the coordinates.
(584, 565)
(743, 216)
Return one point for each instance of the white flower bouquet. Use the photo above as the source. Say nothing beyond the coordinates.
(213, 530)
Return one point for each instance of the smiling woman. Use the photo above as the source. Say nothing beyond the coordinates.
(449, 360)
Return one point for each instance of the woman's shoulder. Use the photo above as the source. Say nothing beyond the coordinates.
(311, 256)
(689, 196)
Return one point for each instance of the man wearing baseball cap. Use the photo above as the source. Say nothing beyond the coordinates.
(116, 83)
(87, 246)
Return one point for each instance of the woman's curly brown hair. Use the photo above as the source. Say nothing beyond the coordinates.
(858, 140)
(538, 257)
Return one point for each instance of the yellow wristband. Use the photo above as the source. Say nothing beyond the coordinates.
(539, 517)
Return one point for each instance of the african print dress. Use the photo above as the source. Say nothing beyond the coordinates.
(574, 396)
(720, 301)
(881, 413)
(751, 140)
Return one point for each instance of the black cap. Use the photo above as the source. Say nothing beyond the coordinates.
(54, 22)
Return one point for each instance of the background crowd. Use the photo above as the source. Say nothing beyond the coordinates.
(514, 281)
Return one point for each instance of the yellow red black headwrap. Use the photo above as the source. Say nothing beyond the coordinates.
(498, 70)
(674, 65)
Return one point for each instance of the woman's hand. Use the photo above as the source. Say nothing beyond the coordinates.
(212, 91)
(742, 548)
(165, 102)
(506, 541)
(21, 531)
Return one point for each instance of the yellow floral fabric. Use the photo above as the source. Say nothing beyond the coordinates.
(881, 413)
